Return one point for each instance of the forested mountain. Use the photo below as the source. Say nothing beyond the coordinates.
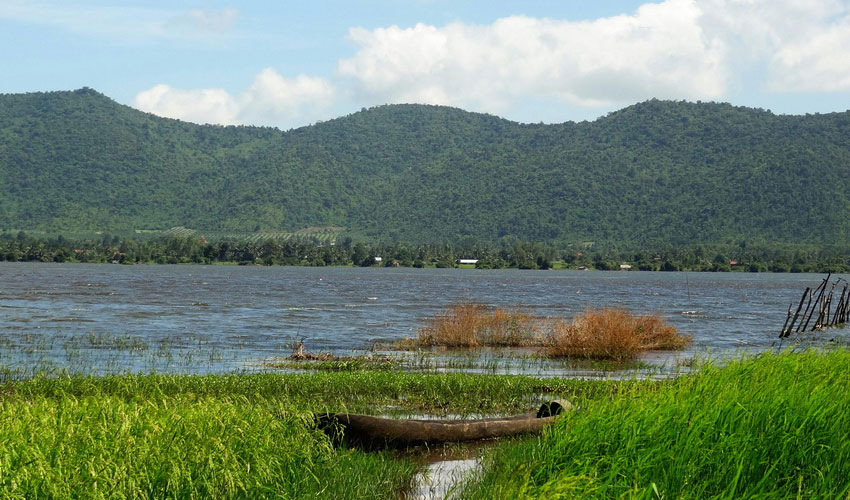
(656, 171)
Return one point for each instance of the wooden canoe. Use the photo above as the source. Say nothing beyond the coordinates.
(370, 431)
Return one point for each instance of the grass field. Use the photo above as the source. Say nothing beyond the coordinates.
(771, 427)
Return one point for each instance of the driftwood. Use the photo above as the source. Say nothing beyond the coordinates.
(378, 432)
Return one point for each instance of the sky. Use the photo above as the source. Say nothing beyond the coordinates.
(288, 64)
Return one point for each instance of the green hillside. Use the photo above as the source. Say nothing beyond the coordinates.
(656, 171)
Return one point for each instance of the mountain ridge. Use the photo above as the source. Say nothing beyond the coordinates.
(668, 171)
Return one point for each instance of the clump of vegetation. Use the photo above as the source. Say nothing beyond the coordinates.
(302, 359)
(475, 325)
(773, 426)
(605, 334)
(612, 333)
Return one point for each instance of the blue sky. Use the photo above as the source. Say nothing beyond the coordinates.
(288, 64)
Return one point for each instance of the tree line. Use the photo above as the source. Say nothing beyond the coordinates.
(509, 253)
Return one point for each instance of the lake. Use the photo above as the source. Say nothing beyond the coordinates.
(52, 313)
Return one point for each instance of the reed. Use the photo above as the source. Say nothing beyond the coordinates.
(612, 334)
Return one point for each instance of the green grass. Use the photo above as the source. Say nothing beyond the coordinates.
(184, 447)
(773, 426)
(227, 436)
(357, 391)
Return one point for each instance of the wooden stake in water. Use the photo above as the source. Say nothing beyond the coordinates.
(823, 305)
(822, 288)
(787, 332)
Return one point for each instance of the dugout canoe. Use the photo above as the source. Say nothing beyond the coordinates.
(370, 431)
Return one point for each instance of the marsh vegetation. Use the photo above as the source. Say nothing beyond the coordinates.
(603, 334)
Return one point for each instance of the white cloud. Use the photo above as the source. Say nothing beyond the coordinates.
(674, 49)
(660, 51)
(691, 49)
(271, 100)
(803, 44)
(199, 106)
(208, 20)
(125, 23)
(818, 64)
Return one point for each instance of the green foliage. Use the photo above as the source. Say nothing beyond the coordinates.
(657, 171)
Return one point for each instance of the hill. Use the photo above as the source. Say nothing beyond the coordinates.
(655, 171)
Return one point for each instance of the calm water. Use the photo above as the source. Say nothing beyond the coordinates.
(256, 312)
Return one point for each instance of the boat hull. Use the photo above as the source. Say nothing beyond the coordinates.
(367, 430)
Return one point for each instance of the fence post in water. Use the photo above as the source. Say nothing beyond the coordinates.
(787, 318)
(836, 319)
(823, 304)
(823, 317)
(826, 307)
(787, 332)
(808, 304)
(822, 289)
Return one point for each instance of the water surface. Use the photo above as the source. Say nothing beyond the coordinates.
(251, 313)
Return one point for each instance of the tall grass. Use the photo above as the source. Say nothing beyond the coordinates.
(362, 391)
(187, 447)
(475, 325)
(228, 436)
(773, 426)
(612, 333)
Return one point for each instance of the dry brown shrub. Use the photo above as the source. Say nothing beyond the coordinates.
(612, 333)
(475, 325)
(608, 333)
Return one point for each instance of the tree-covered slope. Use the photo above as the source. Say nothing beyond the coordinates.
(670, 171)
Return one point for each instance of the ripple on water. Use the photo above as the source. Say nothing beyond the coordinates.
(72, 320)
